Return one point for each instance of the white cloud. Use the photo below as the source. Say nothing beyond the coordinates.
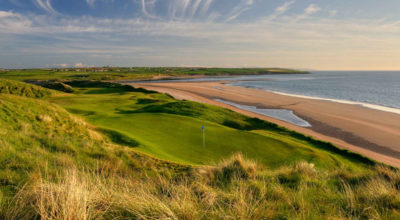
(11, 22)
(243, 6)
(186, 10)
(195, 6)
(90, 2)
(61, 65)
(282, 9)
(39, 25)
(144, 8)
(5, 14)
(185, 4)
(312, 9)
(261, 42)
(198, 7)
(137, 27)
(145, 5)
(79, 64)
(46, 5)
(177, 8)
(206, 6)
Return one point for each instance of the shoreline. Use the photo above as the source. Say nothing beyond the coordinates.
(219, 78)
(284, 115)
(348, 126)
(166, 78)
(363, 104)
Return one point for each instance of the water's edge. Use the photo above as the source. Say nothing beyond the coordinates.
(366, 105)
(280, 114)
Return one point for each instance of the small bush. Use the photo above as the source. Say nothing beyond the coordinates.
(102, 84)
(234, 168)
(390, 174)
(59, 86)
(24, 89)
(291, 180)
(146, 101)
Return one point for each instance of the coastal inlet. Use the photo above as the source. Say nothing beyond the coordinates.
(280, 114)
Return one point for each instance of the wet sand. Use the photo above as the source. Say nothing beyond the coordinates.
(370, 132)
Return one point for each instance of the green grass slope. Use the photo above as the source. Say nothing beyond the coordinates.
(54, 165)
(23, 89)
(36, 136)
(171, 129)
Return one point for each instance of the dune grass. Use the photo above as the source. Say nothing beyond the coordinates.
(22, 89)
(236, 188)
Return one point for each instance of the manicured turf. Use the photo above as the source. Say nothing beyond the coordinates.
(179, 138)
(174, 133)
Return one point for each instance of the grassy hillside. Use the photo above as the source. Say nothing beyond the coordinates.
(171, 129)
(119, 73)
(38, 135)
(235, 188)
(57, 166)
(23, 89)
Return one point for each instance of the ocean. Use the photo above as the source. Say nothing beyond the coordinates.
(372, 89)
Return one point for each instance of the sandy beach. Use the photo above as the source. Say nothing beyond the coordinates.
(370, 132)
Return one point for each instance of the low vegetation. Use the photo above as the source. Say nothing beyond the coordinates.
(55, 165)
(236, 188)
(60, 86)
(133, 73)
(22, 89)
(37, 138)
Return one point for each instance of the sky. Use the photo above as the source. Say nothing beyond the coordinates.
(301, 34)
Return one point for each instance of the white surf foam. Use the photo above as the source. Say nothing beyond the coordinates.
(367, 105)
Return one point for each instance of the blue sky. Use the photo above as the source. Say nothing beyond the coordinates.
(312, 34)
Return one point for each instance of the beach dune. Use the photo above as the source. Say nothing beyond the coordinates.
(371, 132)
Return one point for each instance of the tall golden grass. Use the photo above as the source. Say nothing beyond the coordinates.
(236, 188)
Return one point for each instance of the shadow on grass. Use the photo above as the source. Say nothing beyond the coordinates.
(146, 101)
(81, 112)
(234, 120)
(106, 87)
(118, 138)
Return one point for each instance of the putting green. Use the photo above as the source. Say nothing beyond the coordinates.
(179, 138)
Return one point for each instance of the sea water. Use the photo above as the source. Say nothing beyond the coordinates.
(281, 114)
(373, 89)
